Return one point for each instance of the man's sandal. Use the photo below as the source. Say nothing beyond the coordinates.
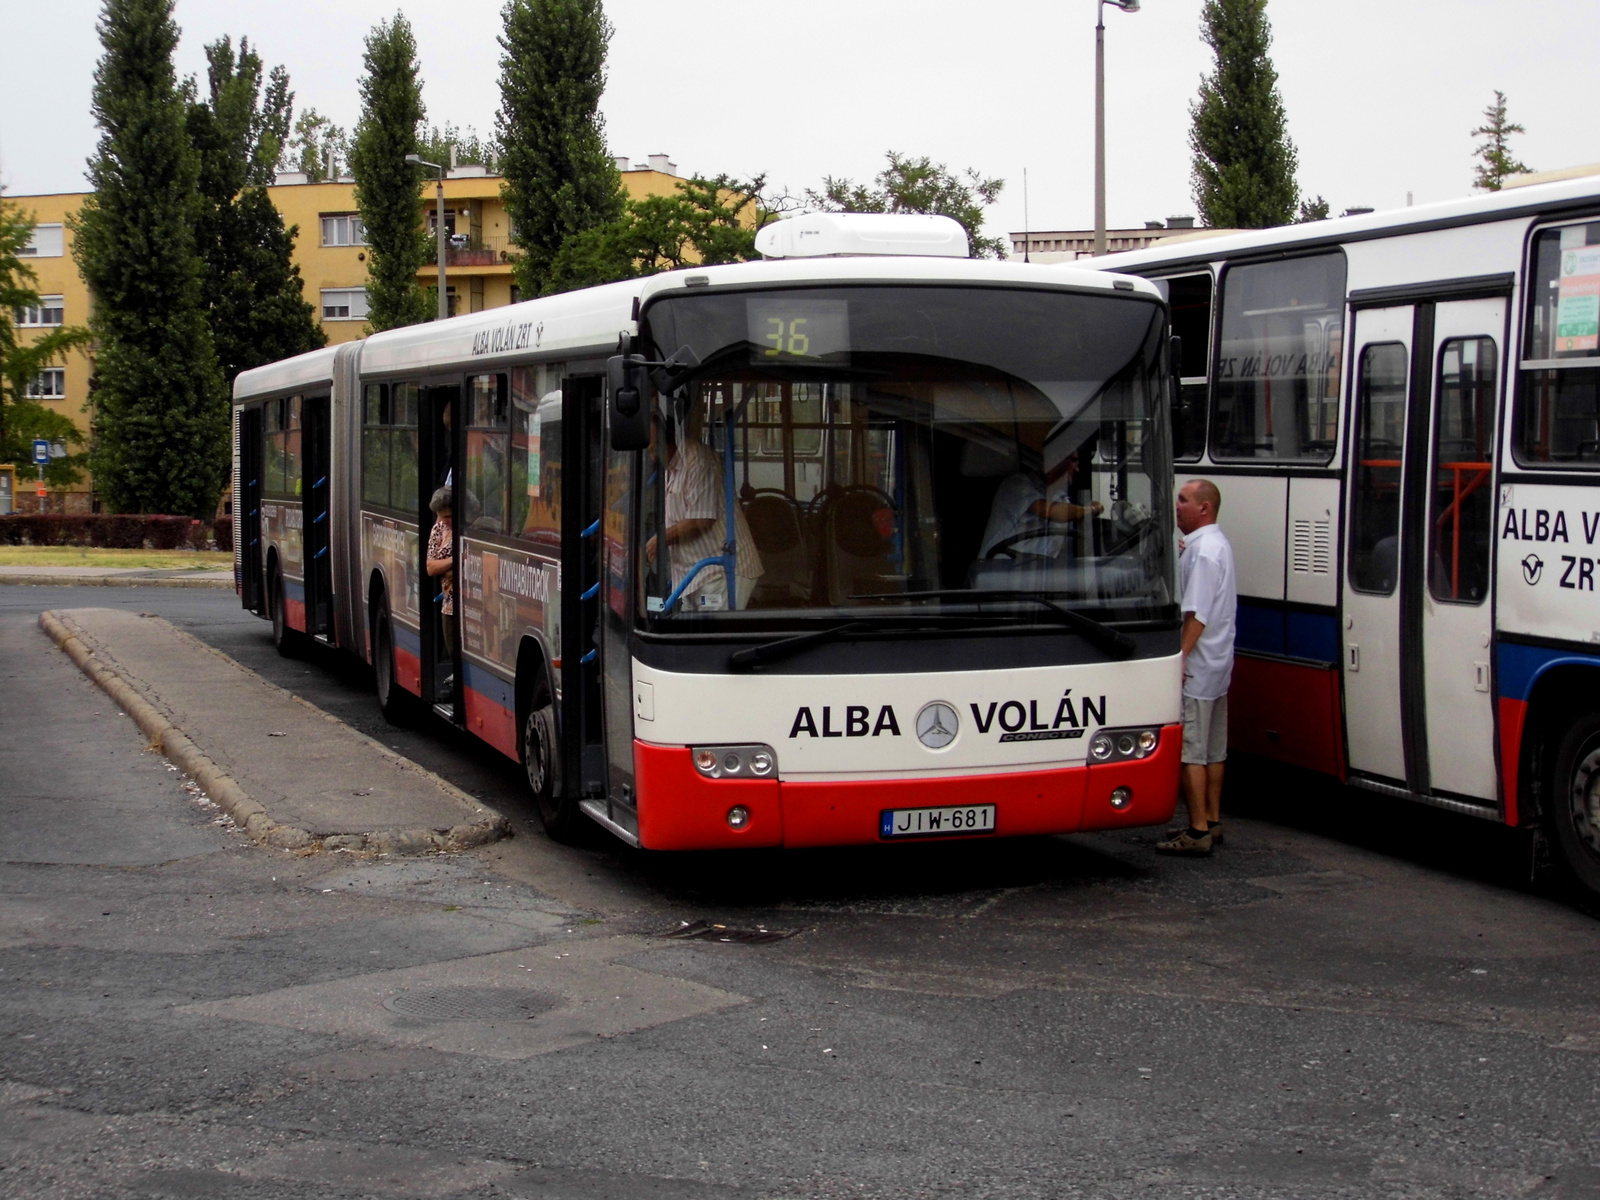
(1186, 843)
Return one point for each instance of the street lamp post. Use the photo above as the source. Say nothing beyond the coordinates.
(1127, 6)
(439, 210)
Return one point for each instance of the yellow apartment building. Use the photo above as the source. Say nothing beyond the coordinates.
(331, 252)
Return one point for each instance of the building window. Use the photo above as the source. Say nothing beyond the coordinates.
(344, 304)
(343, 229)
(47, 312)
(49, 241)
(50, 384)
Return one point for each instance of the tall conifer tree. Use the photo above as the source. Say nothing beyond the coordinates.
(257, 305)
(1244, 163)
(559, 178)
(162, 410)
(388, 189)
(1495, 150)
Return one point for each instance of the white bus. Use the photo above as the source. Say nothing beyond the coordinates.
(1403, 413)
(866, 541)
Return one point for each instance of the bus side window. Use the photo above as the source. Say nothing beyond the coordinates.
(1558, 395)
(404, 405)
(1463, 463)
(536, 454)
(1277, 370)
(483, 508)
(375, 445)
(291, 446)
(1189, 298)
(1379, 451)
(272, 445)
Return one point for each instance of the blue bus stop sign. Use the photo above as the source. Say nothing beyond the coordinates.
(41, 451)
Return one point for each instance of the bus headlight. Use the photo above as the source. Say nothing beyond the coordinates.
(735, 762)
(1123, 745)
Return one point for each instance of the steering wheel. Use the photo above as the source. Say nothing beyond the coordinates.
(1008, 545)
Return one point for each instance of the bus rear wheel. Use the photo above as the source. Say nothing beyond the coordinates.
(393, 699)
(541, 759)
(1574, 808)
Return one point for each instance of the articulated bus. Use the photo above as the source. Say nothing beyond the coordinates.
(865, 541)
(1403, 413)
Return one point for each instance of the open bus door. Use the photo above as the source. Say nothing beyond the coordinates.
(247, 511)
(439, 451)
(583, 765)
(316, 445)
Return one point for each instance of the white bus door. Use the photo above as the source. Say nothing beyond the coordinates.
(1373, 543)
(1418, 535)
(1455, 609)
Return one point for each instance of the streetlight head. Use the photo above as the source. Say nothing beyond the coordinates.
(414, 159)
(1127, 6)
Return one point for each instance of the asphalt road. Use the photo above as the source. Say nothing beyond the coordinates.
(1351, 998)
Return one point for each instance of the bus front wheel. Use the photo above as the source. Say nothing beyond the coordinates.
(1574, 807)
(541, 759)
(285, 638)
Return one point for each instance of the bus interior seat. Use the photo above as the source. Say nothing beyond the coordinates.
(858, 544)
(774, 521)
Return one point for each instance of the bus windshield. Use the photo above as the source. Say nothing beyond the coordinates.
(891, 451)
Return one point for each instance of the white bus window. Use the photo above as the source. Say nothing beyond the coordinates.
(1380, 449)
(1558, 398)
(488, 434)
(1276, 393)
(1189, 299)
(536, 453)
(1460, 523)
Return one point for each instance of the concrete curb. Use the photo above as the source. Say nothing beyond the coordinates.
(115, 581)
(245, 810)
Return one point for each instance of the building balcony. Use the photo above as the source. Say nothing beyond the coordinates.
(464, 250)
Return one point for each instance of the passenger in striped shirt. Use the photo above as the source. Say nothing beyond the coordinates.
(696, 525)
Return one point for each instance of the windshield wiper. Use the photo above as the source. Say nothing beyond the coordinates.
(754, 656)
(1113, 641)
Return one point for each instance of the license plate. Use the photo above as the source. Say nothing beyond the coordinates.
(932, 822)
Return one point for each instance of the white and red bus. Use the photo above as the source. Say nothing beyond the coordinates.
(740, 555)
(1403, 412)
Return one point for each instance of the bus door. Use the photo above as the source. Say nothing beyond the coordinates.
(315, 448)
(247, 511)
(1456, 611)
(1418, 534)
(583, 766)
(439, 424)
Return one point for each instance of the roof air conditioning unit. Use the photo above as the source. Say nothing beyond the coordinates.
(834, 235)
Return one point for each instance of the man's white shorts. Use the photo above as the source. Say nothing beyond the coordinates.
(1205, 730)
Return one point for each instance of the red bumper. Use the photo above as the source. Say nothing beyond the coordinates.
(681, 809)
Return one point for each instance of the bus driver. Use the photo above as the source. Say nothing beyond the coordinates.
(1030, 502)
(695, 520)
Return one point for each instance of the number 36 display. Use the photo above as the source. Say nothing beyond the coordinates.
(782, 330)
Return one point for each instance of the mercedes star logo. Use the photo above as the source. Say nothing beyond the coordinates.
(1532, 568)
(936, 725)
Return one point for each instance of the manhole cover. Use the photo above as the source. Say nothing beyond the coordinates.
(471, 1004)
(710, 931)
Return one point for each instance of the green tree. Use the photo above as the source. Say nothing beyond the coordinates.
(559, 179)
(705, 222)
(257, 307)
(1313, 208)
(388, 189)
(919, 185)
(318, 149)
(437, 143)
(162, 410)
(1244, 162)
(1490, 174)
(21, 419)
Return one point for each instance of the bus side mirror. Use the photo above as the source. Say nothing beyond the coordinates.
(628, 385)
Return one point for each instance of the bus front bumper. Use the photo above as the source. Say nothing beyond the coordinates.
(681, 809)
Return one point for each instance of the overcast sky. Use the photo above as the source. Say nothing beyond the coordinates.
(1380, 95)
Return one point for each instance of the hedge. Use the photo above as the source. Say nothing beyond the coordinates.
(114, 531)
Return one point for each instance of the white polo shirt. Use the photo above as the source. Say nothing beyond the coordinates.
(1205, 570)
(1009, 515)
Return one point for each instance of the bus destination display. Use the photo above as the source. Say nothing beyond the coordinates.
(784, 330)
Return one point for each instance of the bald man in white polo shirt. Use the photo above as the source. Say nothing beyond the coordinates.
(1210, 602)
